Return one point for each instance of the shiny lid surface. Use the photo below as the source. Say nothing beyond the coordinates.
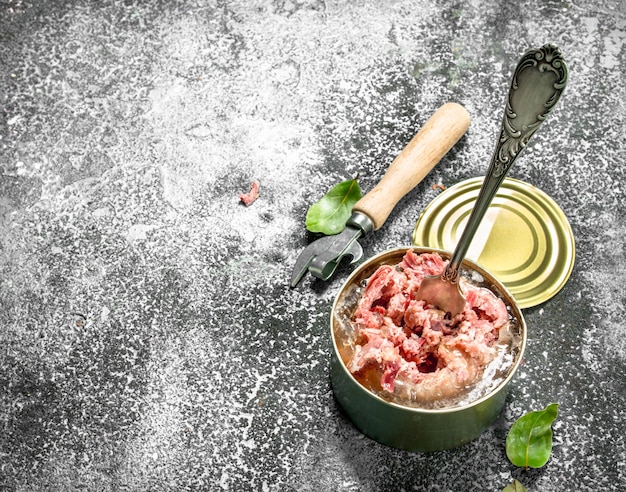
(524, 240)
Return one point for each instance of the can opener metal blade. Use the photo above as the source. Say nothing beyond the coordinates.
(442, 130)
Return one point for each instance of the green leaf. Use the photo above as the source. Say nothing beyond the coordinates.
(514, 487)
(330, 214)
(529, 442)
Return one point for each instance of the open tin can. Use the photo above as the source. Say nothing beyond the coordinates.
(413, 428)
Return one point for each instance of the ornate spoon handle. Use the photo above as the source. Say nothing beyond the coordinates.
(537, 84)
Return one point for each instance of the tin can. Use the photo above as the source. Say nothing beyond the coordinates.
(407, 427)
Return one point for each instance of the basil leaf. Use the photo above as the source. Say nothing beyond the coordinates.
(329, 215)
(529, 442)
(514, 487)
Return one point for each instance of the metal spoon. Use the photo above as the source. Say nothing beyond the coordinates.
(537, 84)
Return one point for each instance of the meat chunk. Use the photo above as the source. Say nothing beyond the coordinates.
(415, 349)
(250, 197)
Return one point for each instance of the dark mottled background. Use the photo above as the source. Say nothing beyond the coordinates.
(148, 337)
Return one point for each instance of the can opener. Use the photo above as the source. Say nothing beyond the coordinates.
(442, 130)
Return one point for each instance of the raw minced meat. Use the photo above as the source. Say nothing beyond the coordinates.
(414, 349)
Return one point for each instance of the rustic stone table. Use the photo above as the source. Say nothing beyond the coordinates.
(148, 336)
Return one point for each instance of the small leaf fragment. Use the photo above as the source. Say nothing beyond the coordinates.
(329, 215)
(529, 442)
(516, 486)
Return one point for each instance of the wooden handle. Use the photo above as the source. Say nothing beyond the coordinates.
(442, 130)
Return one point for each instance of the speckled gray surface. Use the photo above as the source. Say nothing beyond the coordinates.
(148, 338)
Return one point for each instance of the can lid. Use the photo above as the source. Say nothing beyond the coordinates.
(524, 240)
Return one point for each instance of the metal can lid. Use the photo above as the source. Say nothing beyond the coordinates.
(524, 240)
